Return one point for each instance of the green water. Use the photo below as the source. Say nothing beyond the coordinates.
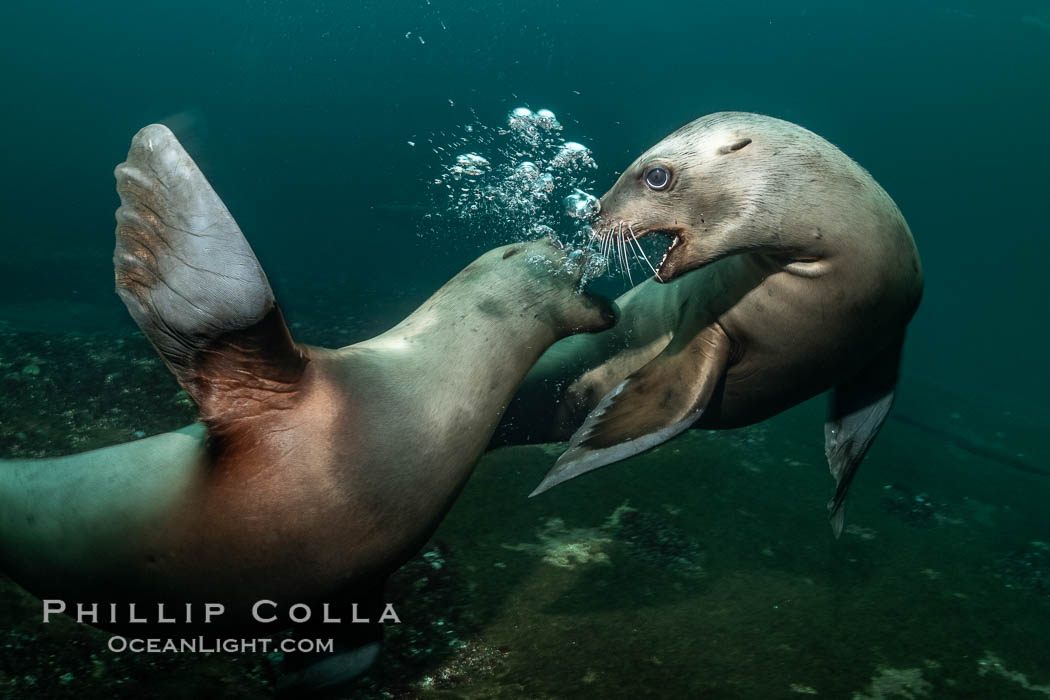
(301, 114)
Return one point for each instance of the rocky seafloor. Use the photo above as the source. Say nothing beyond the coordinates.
(704, 568)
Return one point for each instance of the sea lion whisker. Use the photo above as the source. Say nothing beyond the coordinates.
(626, 258)
(619, 245)
(634, 240)
(620, 251)
(641, 250)
(645, 257)
(636, 259)
(623, 244)
(627, 247)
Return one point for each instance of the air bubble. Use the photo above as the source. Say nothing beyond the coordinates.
(547, 120)
(581, 205)
(523, 186)
(472, 164)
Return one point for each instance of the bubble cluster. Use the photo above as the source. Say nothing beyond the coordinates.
(573, 155)
(513, 182)
(532, 127)
(469, 164)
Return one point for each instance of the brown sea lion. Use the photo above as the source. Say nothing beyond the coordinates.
(790, 272)
(313, 473)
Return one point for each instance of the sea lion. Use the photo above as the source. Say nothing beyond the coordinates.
(313, 473)
(790, 272)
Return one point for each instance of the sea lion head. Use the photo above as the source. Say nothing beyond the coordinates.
(544, 280)
(733, 182)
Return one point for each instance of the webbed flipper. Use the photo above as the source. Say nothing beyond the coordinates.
(856, 411)
(355, 647)
(651, 406)
(192, 283)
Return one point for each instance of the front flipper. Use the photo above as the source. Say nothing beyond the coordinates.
(192, 283)
(856, 412)
(656, 403)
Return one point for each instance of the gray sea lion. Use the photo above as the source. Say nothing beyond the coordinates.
(313, 473)
(790, 272)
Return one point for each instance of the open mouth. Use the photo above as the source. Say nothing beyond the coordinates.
(623, 237)
(675, 236)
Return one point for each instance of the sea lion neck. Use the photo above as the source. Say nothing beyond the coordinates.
(499, 318)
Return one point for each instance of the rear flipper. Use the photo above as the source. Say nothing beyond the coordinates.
(356, 648)
(309, 674)
(653, 405)
(856, 412)
(192, 283)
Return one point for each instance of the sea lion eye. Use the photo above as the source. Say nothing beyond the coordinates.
(657, 177)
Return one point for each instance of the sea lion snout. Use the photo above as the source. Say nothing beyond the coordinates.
(655, 195)
(552, 280)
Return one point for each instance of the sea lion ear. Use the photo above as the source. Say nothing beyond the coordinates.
(734, 146)
(188, 276)
(656, 403)
(856, 412)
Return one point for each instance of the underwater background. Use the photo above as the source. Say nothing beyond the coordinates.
(704, 568)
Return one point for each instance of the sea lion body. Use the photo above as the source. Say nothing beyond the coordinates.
(340, 488)
(313, 473)
(778, 330)
(790, 272)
